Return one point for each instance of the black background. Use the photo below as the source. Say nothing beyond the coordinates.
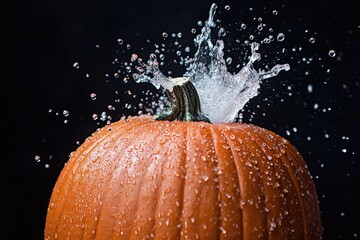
(45, 39)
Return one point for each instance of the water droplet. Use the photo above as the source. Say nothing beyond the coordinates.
(275, 12)
(310, 88)
(280, 37)
(228, 60)
(37, 158)
(227, 7)
(66, 113)
(205, 177)
(223, 231)
(312, 40)
(272, 225)
(93, 96)
(120, 41)
(165, 34)
(76, 65)
(134, 57)
(332, 53)
(103, 116)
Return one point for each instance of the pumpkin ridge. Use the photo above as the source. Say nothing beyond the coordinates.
(215, 132)
(298, 190)
(135, 130)
(138, 123)
(309, 185)
(238, 180)
(133, 217)
(237, 163)
(294, 189)
(157, 195)
(291, 171)
(260, 136)
(207, 132)
(283, 167)
(239, 166)
(259, 170)
(72, 164)
(186, 140)
(141, 187)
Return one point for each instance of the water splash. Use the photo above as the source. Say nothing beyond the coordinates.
(222, 94)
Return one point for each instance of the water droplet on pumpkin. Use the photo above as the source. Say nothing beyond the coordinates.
(272, 225)
(223, 231)
(205, 177)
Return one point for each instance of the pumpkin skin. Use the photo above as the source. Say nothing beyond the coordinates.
(145, 179)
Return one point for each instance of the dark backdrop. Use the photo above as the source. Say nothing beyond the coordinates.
(45, 39)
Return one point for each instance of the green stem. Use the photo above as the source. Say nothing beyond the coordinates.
(185, 103)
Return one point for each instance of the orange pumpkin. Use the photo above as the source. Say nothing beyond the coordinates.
(142, 178)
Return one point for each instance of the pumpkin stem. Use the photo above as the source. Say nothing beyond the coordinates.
(185, 103)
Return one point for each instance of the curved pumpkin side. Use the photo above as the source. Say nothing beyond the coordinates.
(303, 198)
(77, 184)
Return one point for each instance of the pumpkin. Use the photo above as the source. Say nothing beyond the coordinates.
(180, 177)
